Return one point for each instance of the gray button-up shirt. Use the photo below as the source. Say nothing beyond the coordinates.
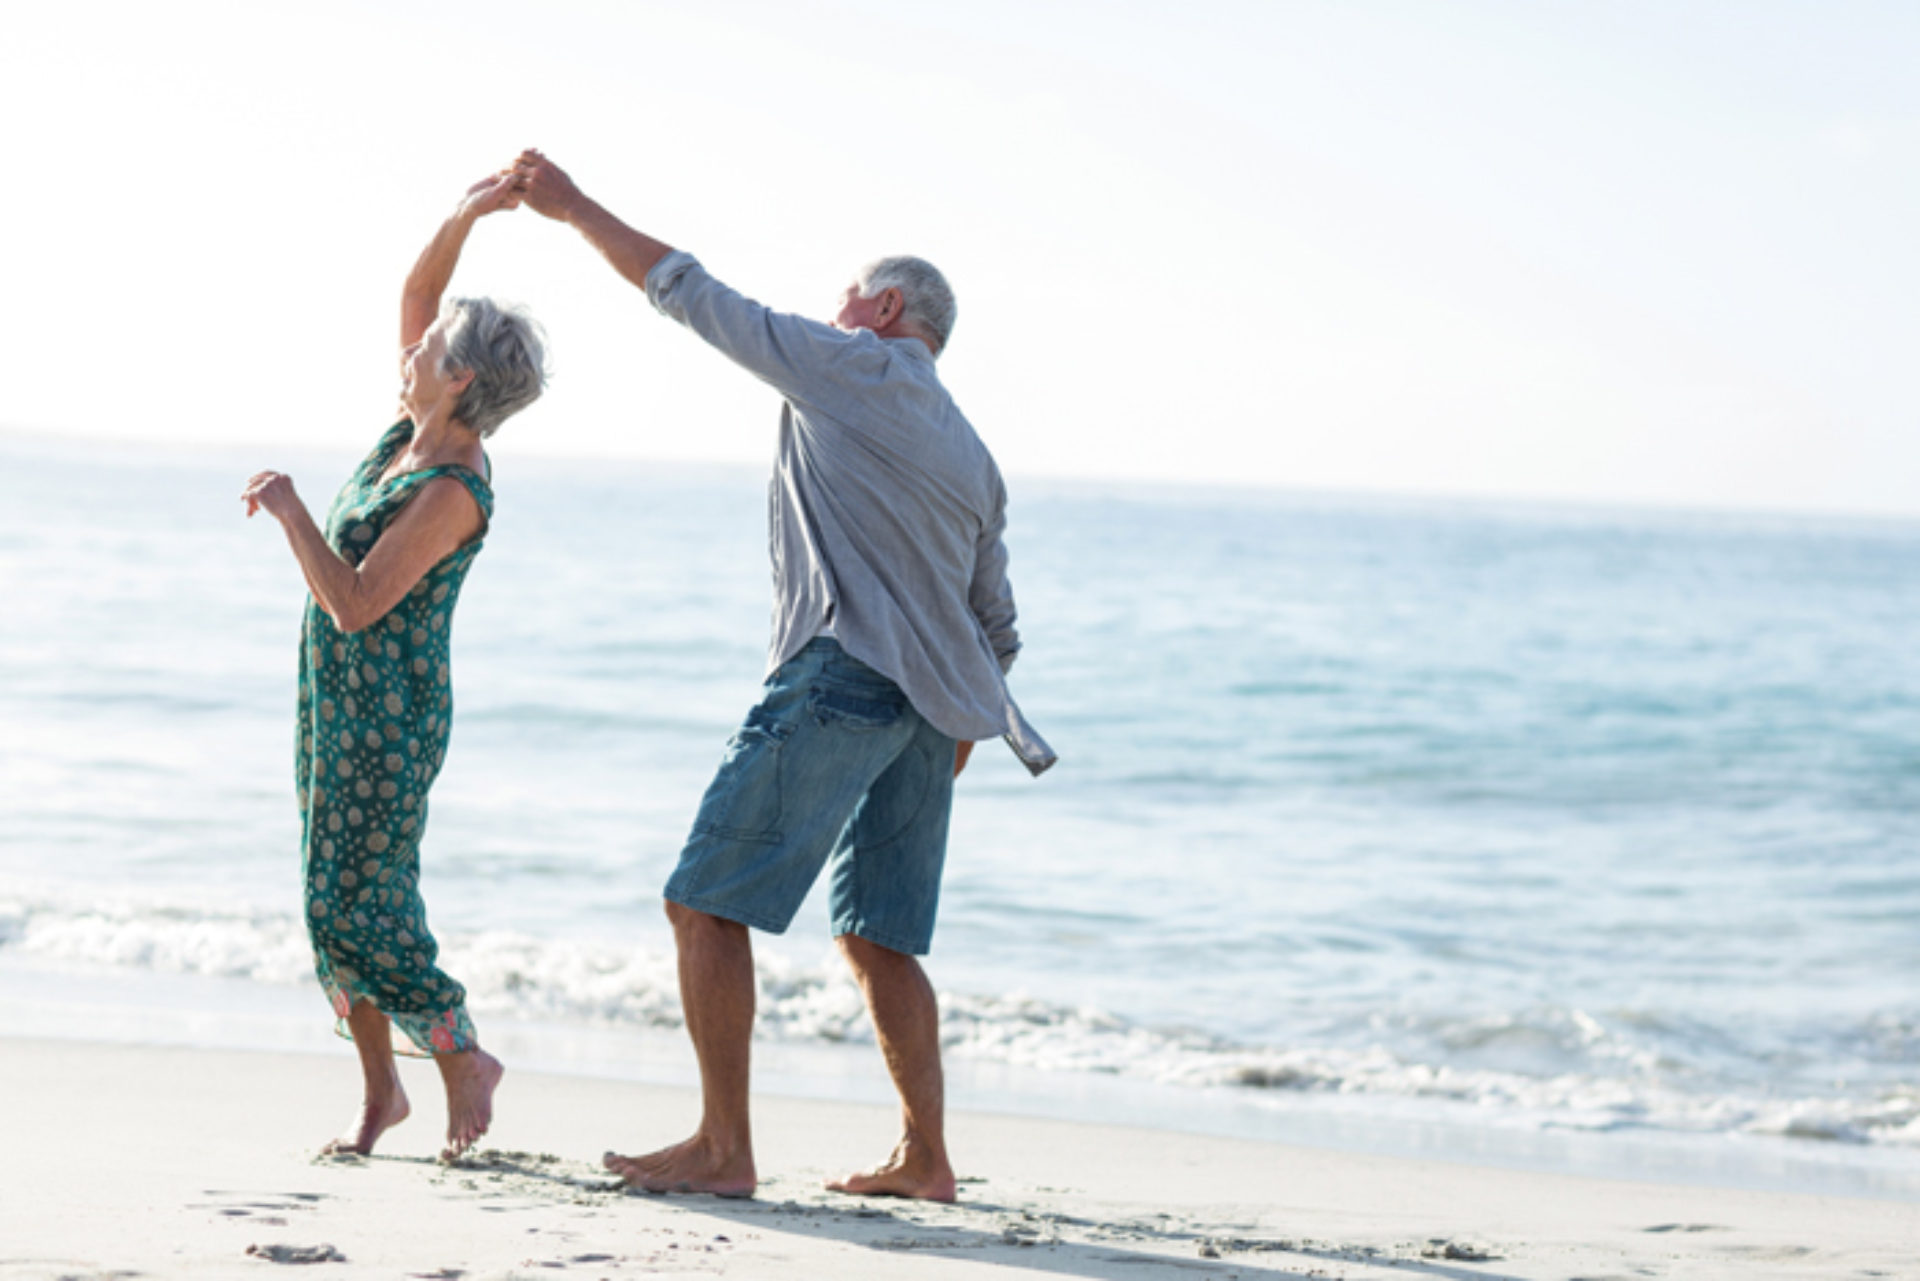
(885, 511)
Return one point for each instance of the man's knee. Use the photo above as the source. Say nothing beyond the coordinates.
(691, 920)
(865, 954)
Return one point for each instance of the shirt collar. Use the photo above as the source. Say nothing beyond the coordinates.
(912, 346)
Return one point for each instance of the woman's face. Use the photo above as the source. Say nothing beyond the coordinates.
(424, 386)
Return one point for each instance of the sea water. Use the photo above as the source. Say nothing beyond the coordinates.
(1508, 819)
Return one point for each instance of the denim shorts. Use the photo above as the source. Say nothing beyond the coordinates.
(833, 765)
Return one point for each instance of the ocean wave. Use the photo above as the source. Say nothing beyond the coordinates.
(523, 977)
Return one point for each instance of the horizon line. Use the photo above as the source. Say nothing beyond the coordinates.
(1197, 486)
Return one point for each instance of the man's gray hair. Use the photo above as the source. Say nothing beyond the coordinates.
(930, 308)
(507, 352)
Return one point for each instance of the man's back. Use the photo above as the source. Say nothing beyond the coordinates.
(886, 510)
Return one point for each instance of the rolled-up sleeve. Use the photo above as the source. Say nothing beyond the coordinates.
(792, 354)
(990, 595)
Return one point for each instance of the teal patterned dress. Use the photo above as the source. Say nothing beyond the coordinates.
(375, 710)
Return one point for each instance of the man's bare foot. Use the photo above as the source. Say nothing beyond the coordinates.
(470, 1077)
(914, 1170)
(694, 1166)
(377, 1116)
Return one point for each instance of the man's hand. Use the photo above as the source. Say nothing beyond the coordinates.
(491, 194)
(545, 186)
(961, 751)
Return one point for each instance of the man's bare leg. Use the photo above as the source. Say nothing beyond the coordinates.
(383, 1104)
(471, 1076)
(906, 1017)
(717, 992)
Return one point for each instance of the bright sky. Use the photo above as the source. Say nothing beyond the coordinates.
(1647, 252)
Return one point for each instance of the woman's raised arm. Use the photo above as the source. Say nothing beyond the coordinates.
(420, 299)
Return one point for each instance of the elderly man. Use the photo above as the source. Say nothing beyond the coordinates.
(893, 631)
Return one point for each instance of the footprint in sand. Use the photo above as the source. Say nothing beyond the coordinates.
(297, 1253)
(261, 1212)
(1461, 1251)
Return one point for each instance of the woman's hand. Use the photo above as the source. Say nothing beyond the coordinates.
(437, 521)
(490, 195)
(271, 491)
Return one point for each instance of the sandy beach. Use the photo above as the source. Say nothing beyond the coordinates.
(174, 1163)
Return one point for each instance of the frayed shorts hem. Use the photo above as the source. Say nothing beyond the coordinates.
(726, 912)
(892, 943)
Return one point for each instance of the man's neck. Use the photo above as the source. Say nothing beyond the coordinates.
(897, 331)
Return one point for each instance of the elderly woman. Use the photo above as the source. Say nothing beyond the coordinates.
(375, 705)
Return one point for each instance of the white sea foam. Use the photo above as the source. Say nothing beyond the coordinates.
(519, 976)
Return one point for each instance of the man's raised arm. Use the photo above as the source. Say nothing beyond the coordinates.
(792, 354)
(546, 189)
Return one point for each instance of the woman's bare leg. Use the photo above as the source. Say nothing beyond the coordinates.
(384, 1104)
(470, 1077)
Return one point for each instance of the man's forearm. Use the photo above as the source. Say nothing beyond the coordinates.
(548, 190)
(631, 253)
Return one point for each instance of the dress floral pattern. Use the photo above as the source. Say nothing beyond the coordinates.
(375, 710)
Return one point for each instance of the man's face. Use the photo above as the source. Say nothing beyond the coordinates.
(857, 312)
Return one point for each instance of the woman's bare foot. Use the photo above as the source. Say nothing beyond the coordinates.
(914, 1170)
(471, 1077)
(377, 1116)
(694, 1166)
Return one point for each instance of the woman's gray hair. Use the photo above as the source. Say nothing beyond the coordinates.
(507, 352)
(930, 308)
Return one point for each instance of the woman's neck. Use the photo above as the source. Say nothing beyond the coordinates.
(430, 420)
(438, 438)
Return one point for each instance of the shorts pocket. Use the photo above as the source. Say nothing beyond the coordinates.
(856, 707)
(743, 802)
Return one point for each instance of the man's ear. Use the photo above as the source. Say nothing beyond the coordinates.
(893, 305)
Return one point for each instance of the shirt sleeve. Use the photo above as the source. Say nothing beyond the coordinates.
(990, 595)
(792, 354)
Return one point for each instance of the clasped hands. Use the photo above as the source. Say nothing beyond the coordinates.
(531, 179)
